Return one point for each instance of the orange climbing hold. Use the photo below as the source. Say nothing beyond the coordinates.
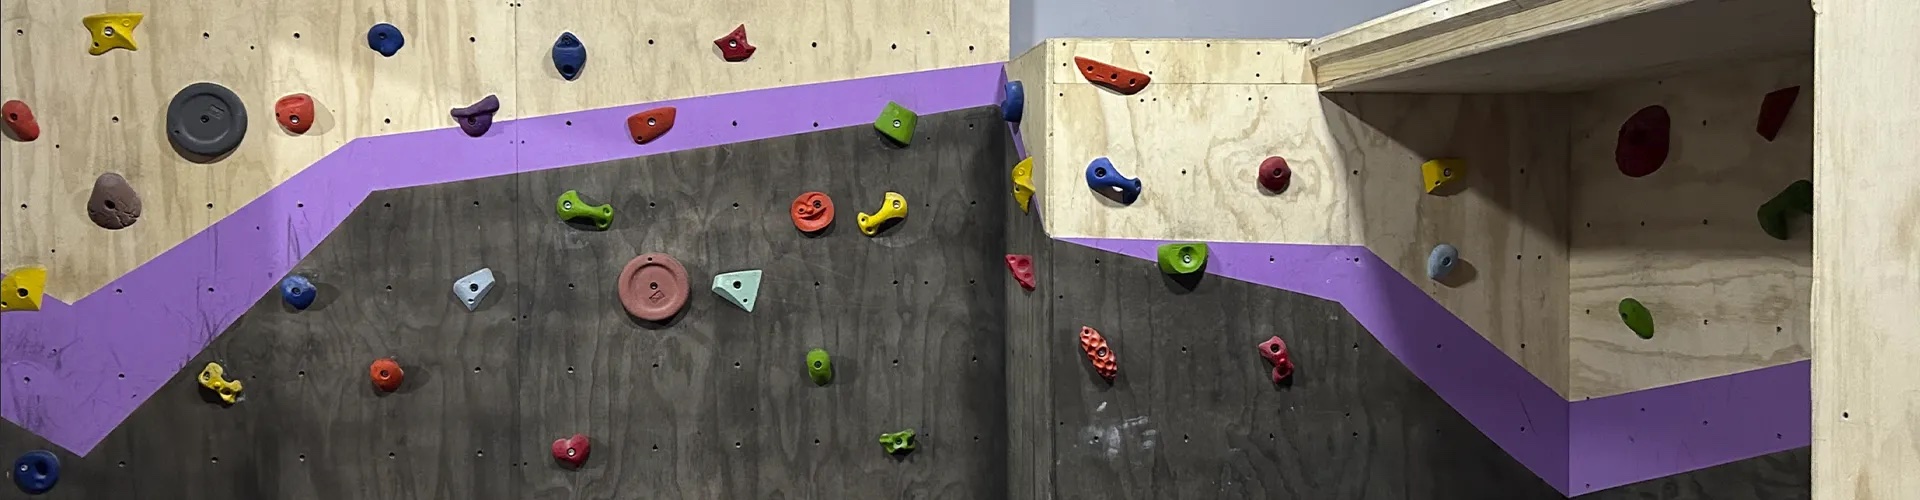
(20, 121)
(1124, 81)
(1102, 357)
(295, 113)
(648, 125)
(812, 211)
(386, 374)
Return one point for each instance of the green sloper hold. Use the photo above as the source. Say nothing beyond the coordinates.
(897, 442)
(897, 122)
(1796, 198)
(819, 367)
(739, 287)
(1182, 258)
(569, 207)
(1637, 317)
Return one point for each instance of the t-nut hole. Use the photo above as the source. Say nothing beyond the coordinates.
(1101, 352)
(1275, 348)
(818, 365)
(733, 43)
(473, 287)
(21, 291)
(651, 121)
(736, 285)
(896, 124)
(383, 374)
(653, 285)
(1099, 172)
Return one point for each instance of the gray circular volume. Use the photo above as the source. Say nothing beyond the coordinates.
(206, 119)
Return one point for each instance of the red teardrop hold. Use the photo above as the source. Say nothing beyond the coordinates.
(648, 125)
(20, 121)
(1643, 142)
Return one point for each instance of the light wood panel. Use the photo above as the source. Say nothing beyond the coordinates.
(1684, 240)
(1176, 61)
(1030, 69)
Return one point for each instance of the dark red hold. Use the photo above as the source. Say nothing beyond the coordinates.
(571, 451)
(734, 46)
(1643, 143)
(1275, 175)
(1022, 267)
(1275, 350)
(20, 121)
(1774, 110)
(295, 113)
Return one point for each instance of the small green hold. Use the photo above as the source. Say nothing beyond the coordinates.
(1182, 258)
(1637, 317)
(569, 207)
(819, 367)
(897, 122)
(897, 442)
(1797, 197)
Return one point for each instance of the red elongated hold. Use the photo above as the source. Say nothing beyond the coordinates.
(734, 46)
(1117, 79)
(20, 121)
(1773, 111)
(648, 125)
(1275, 350)
(571, 451)
(1275, 175)
(295, 113)
(1102, 357)
(1643, 142)
(1022, 267)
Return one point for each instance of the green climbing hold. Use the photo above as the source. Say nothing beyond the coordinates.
(1796, 198)
(897, 442)
(819, 367)
(1182, 258)
(739, 287)
(1637, 317)
(897, 122)
(570, 208)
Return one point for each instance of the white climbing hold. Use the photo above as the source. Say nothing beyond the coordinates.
(473, 288)
(739, 287)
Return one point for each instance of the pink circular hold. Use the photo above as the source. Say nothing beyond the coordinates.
(653, 287)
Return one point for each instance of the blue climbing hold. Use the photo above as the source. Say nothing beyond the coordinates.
(1014, 102)
(297, 291)
(385, 39)
(36, 471)
(569, 55)
(1442, 260)
(1103, 178)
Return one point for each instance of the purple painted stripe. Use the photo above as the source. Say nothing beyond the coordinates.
(1658, 432)
(72, 373)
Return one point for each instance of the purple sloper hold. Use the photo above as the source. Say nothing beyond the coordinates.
(476, 119)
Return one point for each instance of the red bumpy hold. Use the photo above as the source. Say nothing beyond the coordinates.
(1022, 267)
(734, 46)
(1643, 142)
(1102, 357)
(1275, 175)
(571, 451)
(20, 120)
(1275, 350)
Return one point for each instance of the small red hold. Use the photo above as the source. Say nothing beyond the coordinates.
(295, 112)
(1022, 267)
(648, 125)
(1124, 81)
(1643, 142)
(20, 121)
(572, 451)
(1275, 175)
(1773, 111)
(1275, 350)
(1102, 357)
(734, 46)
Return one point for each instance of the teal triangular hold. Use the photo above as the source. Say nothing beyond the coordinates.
(739, 287)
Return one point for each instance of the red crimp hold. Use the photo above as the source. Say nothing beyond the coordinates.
(648, 125)
(1022, 267)
(1773, 111)
(1275, 350)
(572, 451)
(734, 46)
(1275, 175)
(1102, 357)
(1643, 142)
(1117, 79)
(20, 121)
(295, 113)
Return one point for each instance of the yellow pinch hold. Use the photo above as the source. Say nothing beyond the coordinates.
(893, 206)
(1023, 183)
(1440, 172)
(23, 289)
(214, 377)
(112, 31)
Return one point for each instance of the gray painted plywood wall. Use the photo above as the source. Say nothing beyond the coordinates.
(1036, 20)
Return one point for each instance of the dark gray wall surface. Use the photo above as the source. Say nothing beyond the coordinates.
(1785, 475)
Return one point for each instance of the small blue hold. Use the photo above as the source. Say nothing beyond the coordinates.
(385, 39)
(1103, 178)
(298, 291)
(1014, 102)
(1442, 260)
(569, 56)
(36, 471)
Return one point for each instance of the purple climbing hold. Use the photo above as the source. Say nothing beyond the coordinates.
(476, 119)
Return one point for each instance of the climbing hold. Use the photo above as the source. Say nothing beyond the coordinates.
(476, 119)
(1275, 350)
(897, 442)
(1441, 172)
(1442, 260)
(295, 113)
(113, 203)
(1013, 102)
(812, 211)
(1103, 359)
(572, 451)
(385, 39)
(298, 291)
(653, 287)
(734, 46)
(819, 367)
(1796, 198)
(570, 208)
(1103, 178)
(1022, 268)
(1023, 183)
(214, 378)
(23, 288)
(1124, 81)
(1643, 142)
(1182, 258)
(1773, 111)
(569, 56)
(739, 287)
(206, 119)
(1637, 317)
(474, 287)
(1275, 175)
(386, 374)
(648, 125)
(20, 121)
(896, 122)
(112, 31)
(36, 471)
(892, 206)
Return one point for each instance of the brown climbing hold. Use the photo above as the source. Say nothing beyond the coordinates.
(1773, 111)
(653, 287)
(295, 113)
(113, 204)
(20, 121)
(812, 211)
(386, 374)
(734, 46)
(648, 125)
(1117, 79)
(1643, 142)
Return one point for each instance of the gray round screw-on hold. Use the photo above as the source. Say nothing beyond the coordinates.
(206, 119)
(1442, 261)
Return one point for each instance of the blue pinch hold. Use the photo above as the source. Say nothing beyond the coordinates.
(569, 56)
(1013, 101)
(298, 291)
(1103, 178)
(1442, 260)
(36, 471)
(385, 39)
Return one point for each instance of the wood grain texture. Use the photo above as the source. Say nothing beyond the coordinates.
(1777, 476)
(1684, 241)
(1185, 61)
(1407, 25)
(1031, 349)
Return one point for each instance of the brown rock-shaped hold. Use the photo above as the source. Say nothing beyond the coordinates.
(1643, 142)
(648, 125)
(1773, 111)
(295, 113)
(114, 204)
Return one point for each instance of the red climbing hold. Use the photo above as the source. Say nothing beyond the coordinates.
(648, 125)
(1275, 175)
(653, 287)
(20, 121)
(295, 112)
(572, 451)
(1773, 111)
(1643, 142)
(386, 374)
(1102, 357)
(1124, 81)
(1022, 267)
(734, 46)
(1275, 350)
(812, 211)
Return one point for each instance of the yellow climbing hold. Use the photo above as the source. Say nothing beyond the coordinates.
(22, 289)
(215, 378)
(1023, 182)
(112, 31)
(1441, 172)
